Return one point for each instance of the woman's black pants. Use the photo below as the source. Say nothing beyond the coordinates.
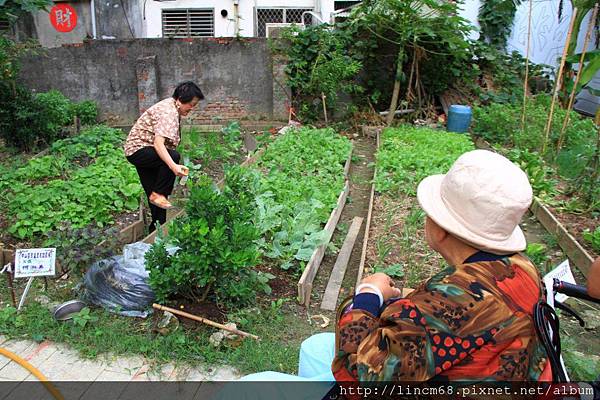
(155, 176)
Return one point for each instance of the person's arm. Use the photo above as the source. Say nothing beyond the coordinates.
(161, 150)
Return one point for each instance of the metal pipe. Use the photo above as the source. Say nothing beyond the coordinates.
(236, 17)
(93, 12)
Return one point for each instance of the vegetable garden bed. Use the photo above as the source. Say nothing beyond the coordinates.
(85, 180)
(396, 244)
(565, 178)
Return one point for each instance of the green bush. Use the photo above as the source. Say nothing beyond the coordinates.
(87, 112)
(59, 111)
(217, 245)
(500, 124)
(22, 121)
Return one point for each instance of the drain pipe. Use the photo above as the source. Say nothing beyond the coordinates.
(236, 17)
(93, 13)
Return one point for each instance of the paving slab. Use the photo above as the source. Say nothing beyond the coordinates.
(19, 347)
(152, 373)
(39, 354)
(65, 365)
(124, 365)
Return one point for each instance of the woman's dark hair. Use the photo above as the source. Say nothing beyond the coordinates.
(186, 91)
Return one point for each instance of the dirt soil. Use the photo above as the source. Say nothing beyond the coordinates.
(576, 224)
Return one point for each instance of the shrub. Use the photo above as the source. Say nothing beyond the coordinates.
(87, 112)
(22, 121)
(58, 111)
(217, 245)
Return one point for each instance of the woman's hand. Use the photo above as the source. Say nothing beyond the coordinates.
(384, 283)
(180, 170)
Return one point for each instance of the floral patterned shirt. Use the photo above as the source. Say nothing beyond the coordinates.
(161, 119)
(469, 322)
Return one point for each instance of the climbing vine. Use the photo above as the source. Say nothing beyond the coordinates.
(496, 21)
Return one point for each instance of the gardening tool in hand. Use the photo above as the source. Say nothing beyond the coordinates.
(204, 321)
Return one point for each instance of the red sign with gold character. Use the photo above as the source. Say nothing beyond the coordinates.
(63, 17)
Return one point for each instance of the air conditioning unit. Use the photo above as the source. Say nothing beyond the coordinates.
(274, 29)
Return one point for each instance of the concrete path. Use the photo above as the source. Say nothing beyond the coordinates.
(59, 363)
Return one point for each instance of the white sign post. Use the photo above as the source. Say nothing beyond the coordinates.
(30, 263)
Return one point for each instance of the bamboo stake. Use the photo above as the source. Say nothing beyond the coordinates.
(205, 321)
(526, 82)
(324, 108)
(10, 285)
(557, 83)
(574, 90)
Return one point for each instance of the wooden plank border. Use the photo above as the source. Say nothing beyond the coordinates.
(578, 255)
(348, 163)
(363, 255)
(332, 291)
(567, 242)
(165, 228)
(306, 280)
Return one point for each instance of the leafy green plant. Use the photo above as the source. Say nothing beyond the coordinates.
(205, 147)
(13, 9)
(86, 111)
(83, 318)
(500, 75)
(107, 184)
(496, 20)
(539, 174)
(394, 270)
(59, 111)
(499, 124)
(302, 177)
(22, 121)
(593, 238)
(319, 64)
(216, 239)
(420, 43)
(408, 154)
(78, 248)
(538, 254)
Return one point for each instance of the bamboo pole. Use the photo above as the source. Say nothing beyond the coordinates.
(204, 321)
(526, 82)
(324, 108)
(588, 35)
(557, 83)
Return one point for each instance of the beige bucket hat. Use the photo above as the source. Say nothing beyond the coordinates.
(481, 200)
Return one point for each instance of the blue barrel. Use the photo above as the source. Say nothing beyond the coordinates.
(459, 118)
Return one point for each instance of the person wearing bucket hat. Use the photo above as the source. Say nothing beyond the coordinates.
(473, 320)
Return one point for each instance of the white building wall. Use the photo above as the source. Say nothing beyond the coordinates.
(548, 35)
(224, 27)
